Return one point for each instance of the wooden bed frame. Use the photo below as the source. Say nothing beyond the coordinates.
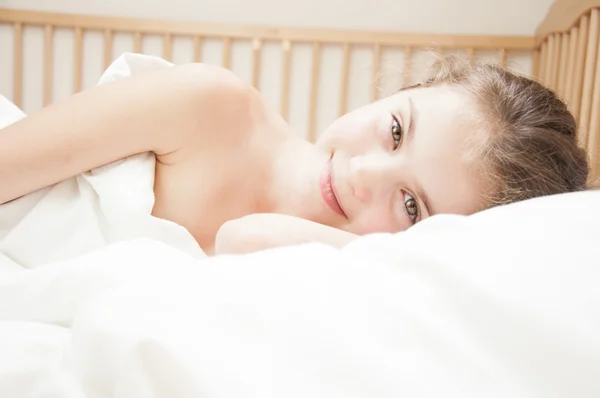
(567, 60)
(563, 55)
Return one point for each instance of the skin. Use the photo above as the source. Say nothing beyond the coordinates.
(382, 183)
(217, 141)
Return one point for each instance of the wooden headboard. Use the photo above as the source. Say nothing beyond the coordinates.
(567, 59)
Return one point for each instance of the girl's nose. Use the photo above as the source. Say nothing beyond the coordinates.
(370, 177)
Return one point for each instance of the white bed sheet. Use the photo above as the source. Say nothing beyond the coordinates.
(504, 303)
(109, 204)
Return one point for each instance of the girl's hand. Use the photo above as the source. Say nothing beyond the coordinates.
(263, 231)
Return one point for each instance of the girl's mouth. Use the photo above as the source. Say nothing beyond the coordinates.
(328, 190)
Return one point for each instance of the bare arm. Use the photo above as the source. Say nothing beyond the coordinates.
(163, 112)
(263, 231)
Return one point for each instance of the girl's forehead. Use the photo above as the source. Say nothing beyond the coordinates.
(443, 133)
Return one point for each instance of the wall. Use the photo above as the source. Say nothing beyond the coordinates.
(502, 17)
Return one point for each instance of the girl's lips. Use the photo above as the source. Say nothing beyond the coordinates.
(328, 190)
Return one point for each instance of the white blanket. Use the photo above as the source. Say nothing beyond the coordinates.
(504, 303)
(109, 204)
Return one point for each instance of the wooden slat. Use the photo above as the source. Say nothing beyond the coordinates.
(226, 63)
(137, 42)
(579, 66)
(256, 57)
(407, 66)
(107, 48)
(197, 52)
(314, 79)
(48, 52)
(192, 28)
(18, 65)
(543, 62)
(77, 60)
(502, 57)
(594, 126)
(167, 47)
(562, 69)
(571, 64)
(588, 78)
(556, 61)
(343, 100)
(535, 67)
(376, 67)
(549, 64)
(286, 47)
(471, 55)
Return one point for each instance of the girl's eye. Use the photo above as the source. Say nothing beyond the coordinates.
(396, 132)
(412, 208)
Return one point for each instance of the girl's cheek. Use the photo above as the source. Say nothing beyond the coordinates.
(375, 224)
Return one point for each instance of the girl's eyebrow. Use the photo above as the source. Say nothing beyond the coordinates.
(413, 116)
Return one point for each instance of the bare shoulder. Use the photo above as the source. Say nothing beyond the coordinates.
(205, 79)
(224, 108)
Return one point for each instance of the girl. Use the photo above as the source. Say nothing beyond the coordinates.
(236, 176)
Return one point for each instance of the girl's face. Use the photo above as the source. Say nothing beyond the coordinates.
(400, 160)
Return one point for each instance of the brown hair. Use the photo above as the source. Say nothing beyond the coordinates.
(529, 146)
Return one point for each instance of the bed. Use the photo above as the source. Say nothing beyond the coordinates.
(503, 303)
